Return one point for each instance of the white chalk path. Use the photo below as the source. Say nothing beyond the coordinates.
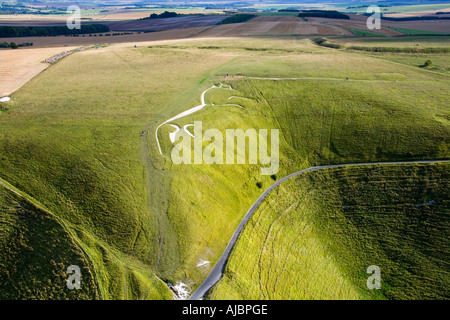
(173, 134)
(187, 131)
(228, 104)
(203, 104)
(236, 97)
(181, 290)
(202, 263)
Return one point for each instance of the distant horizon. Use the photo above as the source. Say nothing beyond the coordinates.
(144, 2)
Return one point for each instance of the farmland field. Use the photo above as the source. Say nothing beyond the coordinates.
(404, 41)
(18, 67)
(80, 160)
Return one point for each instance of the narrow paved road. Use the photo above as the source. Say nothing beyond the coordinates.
(216, 273)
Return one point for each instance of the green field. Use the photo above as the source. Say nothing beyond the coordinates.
(71, 139)
(414, 47)
(412, 32)
(360, 32)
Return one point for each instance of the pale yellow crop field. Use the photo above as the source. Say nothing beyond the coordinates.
(17, 67)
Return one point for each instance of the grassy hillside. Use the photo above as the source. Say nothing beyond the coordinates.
(36, 251)
(403, 41)
(75, 143)
(373, 116)
(316, 234)
(339, 121)
(420, 48)
(76, 146)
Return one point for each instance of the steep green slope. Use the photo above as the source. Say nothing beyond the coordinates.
(74, 143)
(36, 251)
(342, 121)
(321, 121)
(316, 234)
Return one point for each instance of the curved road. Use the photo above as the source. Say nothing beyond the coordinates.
(216, 273)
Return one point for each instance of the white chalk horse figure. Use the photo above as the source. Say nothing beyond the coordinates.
(172, 135)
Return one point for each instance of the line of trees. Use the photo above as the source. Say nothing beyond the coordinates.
(331, 14)
(237, 18)
(400, 49)
(165, 14)
(13, 45)
(44, 31)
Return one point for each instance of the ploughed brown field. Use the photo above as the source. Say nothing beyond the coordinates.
(426, 25)
(260, 26)
(61, 41)
(182, 22)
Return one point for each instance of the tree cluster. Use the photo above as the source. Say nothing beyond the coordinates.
(44, 31)
(237, 18)
(331, 14)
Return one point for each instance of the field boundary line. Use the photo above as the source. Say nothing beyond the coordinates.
(341, 79)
